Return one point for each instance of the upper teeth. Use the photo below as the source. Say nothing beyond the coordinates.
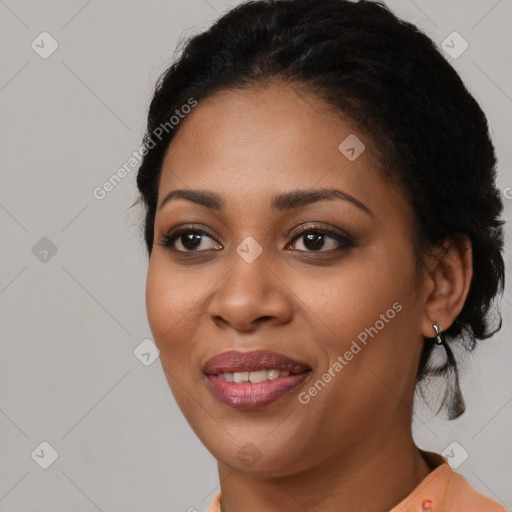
(255, 377)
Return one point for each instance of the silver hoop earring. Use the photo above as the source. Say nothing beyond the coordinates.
(439, 333)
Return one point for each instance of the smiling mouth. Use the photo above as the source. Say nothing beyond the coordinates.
(255, 377)
(252, 380)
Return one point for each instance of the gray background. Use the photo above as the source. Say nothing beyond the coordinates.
(71, 322)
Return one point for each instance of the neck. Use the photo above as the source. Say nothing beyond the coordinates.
(373, 477)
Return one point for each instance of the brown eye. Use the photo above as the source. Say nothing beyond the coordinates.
(314, 239)
(190, 239)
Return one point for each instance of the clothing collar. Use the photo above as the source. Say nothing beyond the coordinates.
(442, 490)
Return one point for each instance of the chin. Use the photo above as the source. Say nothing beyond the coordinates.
(261, 458)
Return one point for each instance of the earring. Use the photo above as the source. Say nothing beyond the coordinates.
(439, 333)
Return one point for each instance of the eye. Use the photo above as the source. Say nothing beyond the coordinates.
(314, 239)
(189, 238)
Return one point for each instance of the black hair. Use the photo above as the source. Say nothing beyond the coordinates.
(388, 77)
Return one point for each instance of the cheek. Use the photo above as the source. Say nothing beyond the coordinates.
(171, 304)
(159, 300)
(171, 296)
(365, 290)
(170, 312)
(366, 316)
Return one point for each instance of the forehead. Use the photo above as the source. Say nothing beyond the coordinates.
(253, 142)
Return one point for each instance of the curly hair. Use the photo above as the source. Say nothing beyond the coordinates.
(431, 136)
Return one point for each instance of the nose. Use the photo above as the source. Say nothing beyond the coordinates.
(249, 295)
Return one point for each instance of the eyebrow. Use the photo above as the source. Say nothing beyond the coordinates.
(281, 202)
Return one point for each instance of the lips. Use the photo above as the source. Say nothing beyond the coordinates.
(251, 380)
(236, 361)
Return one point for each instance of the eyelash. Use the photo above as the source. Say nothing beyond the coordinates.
(345, 241)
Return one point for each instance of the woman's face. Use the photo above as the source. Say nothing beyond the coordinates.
(345, 307)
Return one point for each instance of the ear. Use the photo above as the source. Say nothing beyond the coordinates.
(450, 269)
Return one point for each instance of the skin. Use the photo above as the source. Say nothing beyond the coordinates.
(350, 447)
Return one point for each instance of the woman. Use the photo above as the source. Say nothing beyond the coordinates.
(321, 219)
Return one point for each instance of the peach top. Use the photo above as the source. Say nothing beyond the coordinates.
(442, 490)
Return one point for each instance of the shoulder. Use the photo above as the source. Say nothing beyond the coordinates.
(444, 490)
(215, 504)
